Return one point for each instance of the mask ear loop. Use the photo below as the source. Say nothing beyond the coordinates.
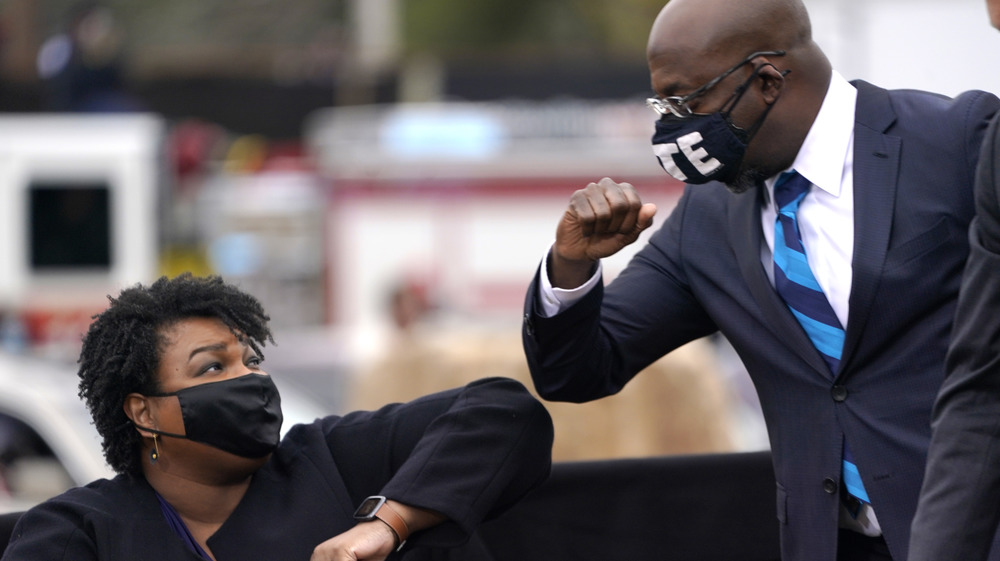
(752, 131)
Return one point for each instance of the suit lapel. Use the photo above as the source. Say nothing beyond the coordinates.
(876, 164)
(876, 161)
(746, 239)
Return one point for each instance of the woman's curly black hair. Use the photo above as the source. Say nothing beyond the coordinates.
(121, 350)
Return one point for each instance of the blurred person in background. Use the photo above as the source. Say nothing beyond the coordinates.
(81, 67)
(822, 231)
(681, 406)
(959, 506)
(172, 374)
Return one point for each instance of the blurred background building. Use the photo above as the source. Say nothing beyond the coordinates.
(384, 174)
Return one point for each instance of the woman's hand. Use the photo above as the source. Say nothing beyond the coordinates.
(374, 540)
(368, 541)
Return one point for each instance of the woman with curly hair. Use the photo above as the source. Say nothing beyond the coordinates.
(173, 377)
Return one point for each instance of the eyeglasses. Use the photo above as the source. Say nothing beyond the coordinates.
(678, 105)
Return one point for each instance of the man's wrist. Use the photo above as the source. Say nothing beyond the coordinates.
(569, 274)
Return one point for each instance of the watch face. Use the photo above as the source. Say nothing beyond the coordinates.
(368, 507)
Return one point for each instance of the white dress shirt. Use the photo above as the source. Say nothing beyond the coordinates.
(826, 214)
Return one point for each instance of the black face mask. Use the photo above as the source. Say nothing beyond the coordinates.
(703, 148)
(241, 415)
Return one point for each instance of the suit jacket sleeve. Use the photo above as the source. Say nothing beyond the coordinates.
(468, 453)
(958, 514)
(593, 348)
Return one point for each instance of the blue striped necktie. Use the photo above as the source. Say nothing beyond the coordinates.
(795, 283)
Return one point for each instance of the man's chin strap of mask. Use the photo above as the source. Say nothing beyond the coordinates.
(747, 135)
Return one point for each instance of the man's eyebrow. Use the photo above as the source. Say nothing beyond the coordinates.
(671, 87)
(207, 348)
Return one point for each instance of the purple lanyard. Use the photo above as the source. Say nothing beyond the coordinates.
(179, 528)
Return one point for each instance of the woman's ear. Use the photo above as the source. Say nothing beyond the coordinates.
(772, 81)
(137, 409)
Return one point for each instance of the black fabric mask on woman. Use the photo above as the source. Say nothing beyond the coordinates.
(240, 415)
(705, 147)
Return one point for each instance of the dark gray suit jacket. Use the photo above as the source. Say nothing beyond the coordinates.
(914, 158)
(960, 502)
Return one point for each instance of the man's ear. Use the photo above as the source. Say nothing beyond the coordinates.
(137, 409)
(772, 81)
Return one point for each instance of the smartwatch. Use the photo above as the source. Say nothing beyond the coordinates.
(375, 508)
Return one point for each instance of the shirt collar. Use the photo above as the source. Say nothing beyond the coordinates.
(830, 135)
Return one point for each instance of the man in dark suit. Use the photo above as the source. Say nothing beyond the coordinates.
(882, 200)
(959, 505)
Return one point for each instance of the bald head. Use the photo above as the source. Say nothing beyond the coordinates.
(732, 28)
(692, 41)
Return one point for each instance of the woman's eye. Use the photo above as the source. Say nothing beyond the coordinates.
(213, 367)
(254, 361)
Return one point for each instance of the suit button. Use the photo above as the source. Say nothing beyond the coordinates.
(829, 485)
(839, 393)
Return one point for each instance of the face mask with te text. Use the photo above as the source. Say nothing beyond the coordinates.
(698, 149)
(704, 147)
